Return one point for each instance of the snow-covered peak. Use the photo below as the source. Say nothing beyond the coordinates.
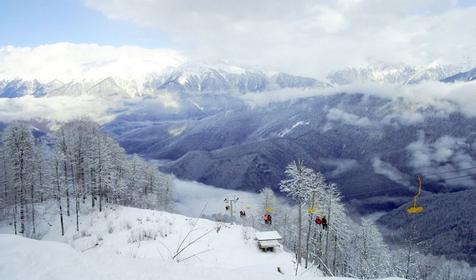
(393, 73)
(462, 77)
(130, 72)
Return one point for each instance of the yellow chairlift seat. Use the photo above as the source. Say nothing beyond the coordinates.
(416, 209)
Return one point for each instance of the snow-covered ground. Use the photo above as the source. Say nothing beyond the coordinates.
(131, 243)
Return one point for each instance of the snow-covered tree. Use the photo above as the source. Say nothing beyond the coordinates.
(298, 185)
(58, 181)
(19, 145)
(267, 199)
(82, 162)
(370, 255)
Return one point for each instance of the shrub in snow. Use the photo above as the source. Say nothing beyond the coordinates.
(110, 228)
(143, 233)
(125, 224)
(84, 233)
(247, 233)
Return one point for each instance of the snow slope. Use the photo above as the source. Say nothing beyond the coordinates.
(130, 243)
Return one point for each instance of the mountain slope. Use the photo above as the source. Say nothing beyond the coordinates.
(358, 141)
(447, 225)
(130, 243)
(462, 77)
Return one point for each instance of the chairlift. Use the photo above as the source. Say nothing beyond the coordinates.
(416, 209)
(311, 210)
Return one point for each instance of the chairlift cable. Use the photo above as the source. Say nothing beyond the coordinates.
(457, 177)
(453, 171)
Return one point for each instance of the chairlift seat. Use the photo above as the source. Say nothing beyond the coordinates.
(415, 210)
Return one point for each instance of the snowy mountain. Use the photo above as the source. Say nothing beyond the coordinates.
(187, 78)
(393, 74)
(198, 78)
(221, 78)
(103, 88)
(462, 77)
(438, 233)
(346, 136)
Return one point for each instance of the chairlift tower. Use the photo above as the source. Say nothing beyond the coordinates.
(232, 200)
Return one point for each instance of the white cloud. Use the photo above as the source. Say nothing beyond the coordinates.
(309, 36)
(388, 170)
(66, 62)
(409, 102)
(347, 118)
(341, 165)
(447, 157)
(58, 108)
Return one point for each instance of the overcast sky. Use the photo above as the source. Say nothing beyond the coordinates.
(308, 37)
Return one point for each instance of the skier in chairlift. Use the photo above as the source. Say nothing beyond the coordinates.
(267, 219)
(324, 222)
(318, 220)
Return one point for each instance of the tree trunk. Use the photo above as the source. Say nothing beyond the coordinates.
(298, 251)
(40, 177)
(100, 171)
(15, 211)
(33, 208)
(308, 237)
(65, 167)
(58, 198)
(76, 196)
(22, 210)
(335, 254)
(22, 195)
(67, 188)
(327, 231)
(100, 193)
(309, 231)
(92, 186)
(5, 181)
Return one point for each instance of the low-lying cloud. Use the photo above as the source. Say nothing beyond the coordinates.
(347, 118)
(57, 108)
(447, 157)
(391, 172)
